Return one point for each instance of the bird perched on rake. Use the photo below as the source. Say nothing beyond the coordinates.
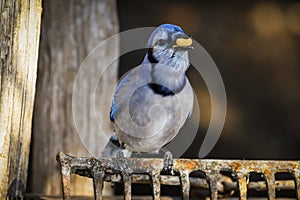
(153, 100)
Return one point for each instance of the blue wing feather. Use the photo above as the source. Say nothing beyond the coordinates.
(113, 111)
(114, 106)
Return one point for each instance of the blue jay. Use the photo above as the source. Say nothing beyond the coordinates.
(153, 101)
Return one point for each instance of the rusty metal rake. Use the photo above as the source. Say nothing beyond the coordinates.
(147, 170)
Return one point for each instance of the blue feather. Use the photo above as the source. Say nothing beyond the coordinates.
(113, 110)
(162, 75)
(171, 27)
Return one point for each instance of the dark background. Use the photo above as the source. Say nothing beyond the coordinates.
(256, 46)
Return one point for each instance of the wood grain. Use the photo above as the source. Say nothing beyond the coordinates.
(70, 30)
(19, 36)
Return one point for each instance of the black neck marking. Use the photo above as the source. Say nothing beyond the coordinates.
(161, 90)
(151, 57)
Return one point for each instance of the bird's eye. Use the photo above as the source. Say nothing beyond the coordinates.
(161, 42)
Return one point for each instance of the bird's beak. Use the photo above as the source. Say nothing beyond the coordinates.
(183, 42)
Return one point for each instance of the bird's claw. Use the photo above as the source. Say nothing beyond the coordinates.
(168, 163)
(122, 164)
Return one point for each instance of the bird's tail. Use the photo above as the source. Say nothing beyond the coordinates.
(113, 147)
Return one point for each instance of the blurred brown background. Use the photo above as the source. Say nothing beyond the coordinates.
(256, 46)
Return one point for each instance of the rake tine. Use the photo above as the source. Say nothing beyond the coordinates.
(185, 184)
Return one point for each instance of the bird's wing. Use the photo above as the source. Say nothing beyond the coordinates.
(113, 110)
(130, 81)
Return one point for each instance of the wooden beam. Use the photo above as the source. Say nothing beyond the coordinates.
(19, 37)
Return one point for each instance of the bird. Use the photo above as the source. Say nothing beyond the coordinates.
(153, 100)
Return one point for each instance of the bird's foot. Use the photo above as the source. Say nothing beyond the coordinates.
(122, 164)
(168, 163)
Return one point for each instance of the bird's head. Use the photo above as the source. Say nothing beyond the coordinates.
(168, 49)
(169, 45)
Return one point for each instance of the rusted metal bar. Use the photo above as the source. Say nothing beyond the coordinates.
(65, 174)
(98, 181)
(202, 183)
(242, 183)
(279, 185)
(127, 186)
(270, 181)
(142, 170)
(155, 178)
(297, 181)
(213, 182)
(185, 184)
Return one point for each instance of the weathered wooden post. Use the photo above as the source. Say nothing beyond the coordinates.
(70, 30)
(19, 43)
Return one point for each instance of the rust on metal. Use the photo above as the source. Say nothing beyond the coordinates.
(242, 183)
(185, 184)
(156, 179)
(168, 171)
